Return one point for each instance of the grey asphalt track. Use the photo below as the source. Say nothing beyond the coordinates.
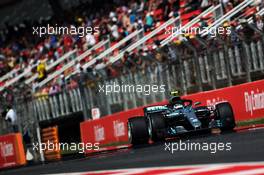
(245, 146)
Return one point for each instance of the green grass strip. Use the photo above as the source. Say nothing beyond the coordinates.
(251, 122)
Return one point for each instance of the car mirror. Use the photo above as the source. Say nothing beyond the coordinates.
(197, 103)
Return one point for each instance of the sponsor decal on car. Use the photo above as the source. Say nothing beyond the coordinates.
(155, 108)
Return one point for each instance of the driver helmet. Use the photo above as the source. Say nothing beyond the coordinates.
(175, 100)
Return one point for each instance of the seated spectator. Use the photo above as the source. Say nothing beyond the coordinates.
(192, 5)
(204, 4)
(128, 63)
(224, 2)
(114, 30)
(246, 32)
(258, 22)
(258, 4)
(111, 71)
(229, 6)
(138, 59)
(3, 67)
(54, 89)
(141, 6)
(62, 82)
(132, 17)
(233, 38)
(149, 22)
(90, 40)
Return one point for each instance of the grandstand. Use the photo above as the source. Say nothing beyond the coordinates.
(157, 14)
(132, 47)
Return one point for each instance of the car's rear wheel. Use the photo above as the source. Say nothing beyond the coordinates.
(226, 116)
(156, 127)
(137, 130)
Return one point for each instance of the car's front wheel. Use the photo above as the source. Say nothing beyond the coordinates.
(226, 116)
(156, 127)
(137, 130)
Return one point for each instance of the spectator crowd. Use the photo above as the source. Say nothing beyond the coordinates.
(20, 50)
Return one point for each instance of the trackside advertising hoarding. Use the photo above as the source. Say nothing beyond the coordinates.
(11, 151)
(247, 101)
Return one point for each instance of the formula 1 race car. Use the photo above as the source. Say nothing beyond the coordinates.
(179, 116)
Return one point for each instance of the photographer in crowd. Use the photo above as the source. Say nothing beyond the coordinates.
(11, 116)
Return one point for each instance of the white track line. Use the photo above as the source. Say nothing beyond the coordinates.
(247, 172)
(198, 169)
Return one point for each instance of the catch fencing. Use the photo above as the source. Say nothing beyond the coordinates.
(215, 64)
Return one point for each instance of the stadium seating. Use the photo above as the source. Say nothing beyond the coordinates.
(67, 54)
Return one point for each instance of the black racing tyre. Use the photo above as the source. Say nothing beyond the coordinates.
(156, 127)
(226, 115)
(137, 130)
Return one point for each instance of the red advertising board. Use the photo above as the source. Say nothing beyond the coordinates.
(247, 101)
(11, 151)
(109, 129)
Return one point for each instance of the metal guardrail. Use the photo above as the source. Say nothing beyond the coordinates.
(53, 106)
